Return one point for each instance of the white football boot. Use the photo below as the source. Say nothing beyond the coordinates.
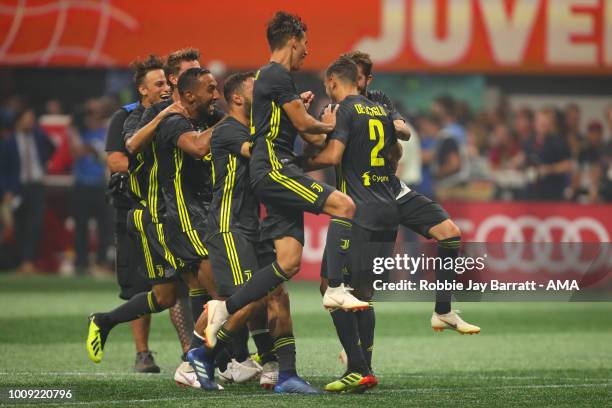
(237, 372)
(217, 315)
(341, 298)
(269, 375)
(452, 321)
(185, 376)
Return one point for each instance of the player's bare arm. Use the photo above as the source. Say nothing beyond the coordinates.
(117, 162)
(402, 130)
(245, 150)
(331, 155)
(197, 144)
(141, 139)
(304, 122)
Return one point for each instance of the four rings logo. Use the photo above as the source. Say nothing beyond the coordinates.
(555, 244)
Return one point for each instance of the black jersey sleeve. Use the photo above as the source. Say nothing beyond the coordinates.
(132, 123)
(149, 114)
(382, 98)
(343, 124)
(282, 87)
(114, 135)
(172, 127)
(230, 137)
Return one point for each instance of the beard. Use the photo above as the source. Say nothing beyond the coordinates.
(203, 111)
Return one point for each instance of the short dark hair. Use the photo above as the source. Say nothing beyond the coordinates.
(234, 82)
(282, 27)
(362, 59)
(447, 103)
(345, 68)
(189, 80)
(173, 60)
(142, 67)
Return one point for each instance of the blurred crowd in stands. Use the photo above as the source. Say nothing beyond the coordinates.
(54, 158)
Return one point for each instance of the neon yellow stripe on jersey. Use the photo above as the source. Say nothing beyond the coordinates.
(182, 207)
(145, 244)
(152, 198)
(340, 181)
(232, 256)
(162, 240)
(228, 191)
(294, 186)
(134, 184)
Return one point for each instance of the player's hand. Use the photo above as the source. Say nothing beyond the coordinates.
(176, 107)
(307, 98)
(329, 115)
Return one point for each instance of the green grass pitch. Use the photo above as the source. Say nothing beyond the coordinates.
(528, 354)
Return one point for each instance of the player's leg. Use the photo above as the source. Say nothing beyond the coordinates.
(129, 268)
(341, 208)
(448, 236)
(156, 300)
(181, 316)
(430, 220)
(233, 258)
(357, 377)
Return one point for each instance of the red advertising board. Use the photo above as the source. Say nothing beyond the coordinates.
(520, 36)
(500, 222)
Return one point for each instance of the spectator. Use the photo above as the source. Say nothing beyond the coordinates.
(429, 129)
(506, 160)
(23, 160)
(587, 176)
(444, 109)
(571, 129)
(522, 126)
(606, 176)
(90, 187)
(548, 158)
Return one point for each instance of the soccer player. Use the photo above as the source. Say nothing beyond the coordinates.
(278, 114)
(151, 83)
(161, 265)
(421, 215)
(182, 149)
(358, 147)
(176, 64)
(233, 238)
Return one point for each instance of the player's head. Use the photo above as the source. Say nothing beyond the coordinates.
(198, 91)
(288, 31)
(238, 90)
(180, 61)
(364, 67)
(150, 79)
(445, 108)
(341, 78)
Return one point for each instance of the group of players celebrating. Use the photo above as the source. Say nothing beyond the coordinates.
(197, 177)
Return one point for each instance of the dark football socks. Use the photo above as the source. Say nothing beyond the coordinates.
(197, 298)
(346, 327)
(263, 342)
(366, 322)
(240, 346)
(447, 248)
(285, 350)
(139, 305)
(225, 338)
(261, 282)
(336, 249)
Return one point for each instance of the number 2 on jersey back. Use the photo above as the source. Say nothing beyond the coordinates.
(377, 133)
